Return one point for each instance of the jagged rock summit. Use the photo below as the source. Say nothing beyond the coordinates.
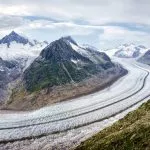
(14, 37)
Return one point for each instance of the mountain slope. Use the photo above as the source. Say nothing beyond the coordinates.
(14, 37)
(131, 132)
(145, 58)
(14, 46)
(17, 53)
(59, 64)
(63, 70)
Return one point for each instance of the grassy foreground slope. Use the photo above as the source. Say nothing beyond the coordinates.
(130, 133)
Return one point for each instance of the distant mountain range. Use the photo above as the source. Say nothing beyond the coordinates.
(127, 51)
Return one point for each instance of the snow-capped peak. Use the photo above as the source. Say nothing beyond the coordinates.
(127, 50)
(17, 47)
(69, 39)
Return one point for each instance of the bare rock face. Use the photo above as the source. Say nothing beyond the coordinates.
(9, 71)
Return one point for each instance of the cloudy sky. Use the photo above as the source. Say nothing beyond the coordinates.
(101, 23)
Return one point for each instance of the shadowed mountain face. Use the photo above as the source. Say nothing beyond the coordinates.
(9, 71)
(63, 61)
(13, 36)
(60, 51)
(145, 58)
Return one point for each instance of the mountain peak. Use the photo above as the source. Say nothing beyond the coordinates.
(61, 50)
(63, 62)
(13, 33)
(68, 39)
(13, 36)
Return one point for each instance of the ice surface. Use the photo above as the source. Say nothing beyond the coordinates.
(82, 111)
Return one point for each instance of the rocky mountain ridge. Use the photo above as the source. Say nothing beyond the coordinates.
(60, 63)
(63, 70)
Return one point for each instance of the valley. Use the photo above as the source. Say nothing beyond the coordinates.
(74, 75)
(75, 120)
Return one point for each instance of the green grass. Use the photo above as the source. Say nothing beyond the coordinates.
(130, 133)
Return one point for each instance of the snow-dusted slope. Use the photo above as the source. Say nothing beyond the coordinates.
(111, 52)
(16, 47)
(16, 50)
(87, 51)
(127, 51)
(71, 61)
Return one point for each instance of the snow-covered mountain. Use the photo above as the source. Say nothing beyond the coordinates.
(63, 70)
(15, 46)
(16, 54)
(13, 36)
(87, 51)
(127, 51)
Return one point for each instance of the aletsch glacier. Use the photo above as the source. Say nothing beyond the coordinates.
(81, 114)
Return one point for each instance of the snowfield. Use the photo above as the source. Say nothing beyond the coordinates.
(79, 118)
(18, 50)
(127, 51)
(24, 54)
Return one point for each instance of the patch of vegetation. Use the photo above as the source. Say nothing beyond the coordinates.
(130, 133)
(48, 73)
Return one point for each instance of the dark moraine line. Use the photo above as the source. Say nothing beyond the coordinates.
(23, 126)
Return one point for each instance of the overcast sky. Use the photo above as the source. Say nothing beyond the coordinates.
(101, 23)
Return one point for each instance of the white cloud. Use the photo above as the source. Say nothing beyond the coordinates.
(114, 36)
(14, 10)
(94, 11)
(11, 22)
(96, 15)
